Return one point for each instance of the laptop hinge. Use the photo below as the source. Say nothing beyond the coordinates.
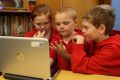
(19, 77)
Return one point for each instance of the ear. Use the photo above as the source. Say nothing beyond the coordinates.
(102, 28)
(31, 20)
(76, 20)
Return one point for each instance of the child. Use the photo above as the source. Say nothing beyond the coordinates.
(65, 21)
(41, 18)
(104, 55)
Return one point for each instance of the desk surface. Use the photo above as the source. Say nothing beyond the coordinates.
(1, 78)
(68, 75)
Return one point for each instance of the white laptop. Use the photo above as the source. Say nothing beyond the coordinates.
(21, 56)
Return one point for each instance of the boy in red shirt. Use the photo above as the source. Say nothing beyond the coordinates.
(104, 56)
(65, 21)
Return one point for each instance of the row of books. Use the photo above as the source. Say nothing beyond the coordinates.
(14, 25)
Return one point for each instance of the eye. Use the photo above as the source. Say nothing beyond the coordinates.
(46, 22)
(57, 23)
(85, 27)
(66, 22)
(38, 24)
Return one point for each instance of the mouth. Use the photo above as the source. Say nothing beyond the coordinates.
(41, 30)
(62, 31)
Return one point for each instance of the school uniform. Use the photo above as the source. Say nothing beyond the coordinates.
(104, 57)
(30, 33)
(62, 63)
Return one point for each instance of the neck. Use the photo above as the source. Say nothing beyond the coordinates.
(48, 35)
(66, 39)
(103, 38)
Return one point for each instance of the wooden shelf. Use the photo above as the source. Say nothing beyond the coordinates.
(10, 5)
(14, 11)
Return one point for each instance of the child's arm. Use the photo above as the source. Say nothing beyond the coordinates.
(51, 61)
(53, 55)
(103, 61)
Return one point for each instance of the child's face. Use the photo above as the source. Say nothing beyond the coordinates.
(64, 24)
(42, 23)
(90, 31)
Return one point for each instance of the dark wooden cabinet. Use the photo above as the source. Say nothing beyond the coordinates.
(105, 2)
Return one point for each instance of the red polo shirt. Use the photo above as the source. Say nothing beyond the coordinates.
(62, 64)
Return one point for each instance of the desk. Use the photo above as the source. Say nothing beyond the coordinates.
(1, 78)
(68, 75)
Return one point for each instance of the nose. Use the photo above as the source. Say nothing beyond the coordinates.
(61, 26)
(83, 30)
(42, 26)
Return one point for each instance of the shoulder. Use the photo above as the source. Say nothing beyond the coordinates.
(54, 30)
(79, 32)
(114, 32)
(111, 42)
(30, 33)
(54, 35)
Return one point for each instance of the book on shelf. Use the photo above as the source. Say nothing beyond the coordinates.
(14, 25)
(1, 25)
(14, 17)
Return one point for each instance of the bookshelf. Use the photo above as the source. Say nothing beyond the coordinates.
(14, 17)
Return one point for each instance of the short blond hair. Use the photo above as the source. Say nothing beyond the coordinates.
(68, 10)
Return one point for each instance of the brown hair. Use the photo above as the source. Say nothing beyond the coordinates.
(101, 14)
(40, 10)
(68, 10)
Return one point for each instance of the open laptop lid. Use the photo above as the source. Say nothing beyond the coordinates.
(25, 56)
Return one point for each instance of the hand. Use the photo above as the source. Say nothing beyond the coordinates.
(60, 49)
(39, 34)
(51, 61)
(78, 39)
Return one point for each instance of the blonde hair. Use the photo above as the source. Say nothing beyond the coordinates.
(68, 10)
